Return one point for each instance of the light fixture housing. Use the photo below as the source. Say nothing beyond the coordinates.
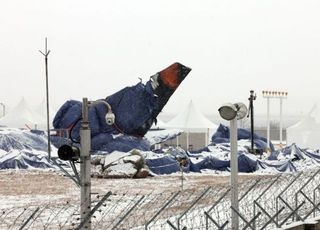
(229, 111)
(69, 153)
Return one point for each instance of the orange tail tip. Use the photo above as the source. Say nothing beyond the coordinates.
(173, 75)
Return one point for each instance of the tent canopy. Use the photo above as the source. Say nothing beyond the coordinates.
(306, 132)
(22, 116)
(160, 125)
(41, 110)
(191, 118)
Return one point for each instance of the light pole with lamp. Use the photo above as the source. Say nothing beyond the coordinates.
(72, 154)
(232, 113)
(274, 94)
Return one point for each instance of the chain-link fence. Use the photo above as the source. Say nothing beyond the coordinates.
(264, 203)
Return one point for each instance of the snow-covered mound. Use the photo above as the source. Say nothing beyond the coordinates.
(17, 139)
(24, 149)
(25, 160)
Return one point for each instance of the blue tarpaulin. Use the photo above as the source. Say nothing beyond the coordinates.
(222, 135)
(135, 109)
(199, 162)
(280, 166)
(290, 152)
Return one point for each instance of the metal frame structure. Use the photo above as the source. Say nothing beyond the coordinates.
(278, 95)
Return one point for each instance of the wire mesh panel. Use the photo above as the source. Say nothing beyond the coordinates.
(265, 203)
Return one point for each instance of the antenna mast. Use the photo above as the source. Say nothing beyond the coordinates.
(45, 54)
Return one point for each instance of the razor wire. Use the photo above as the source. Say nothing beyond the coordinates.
(265, 203)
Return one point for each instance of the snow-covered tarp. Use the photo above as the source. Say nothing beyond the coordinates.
(24, 149)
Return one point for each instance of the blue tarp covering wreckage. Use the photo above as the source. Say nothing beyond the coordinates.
(135, 109)
(222, 135)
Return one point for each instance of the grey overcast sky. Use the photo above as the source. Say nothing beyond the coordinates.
(99, 47)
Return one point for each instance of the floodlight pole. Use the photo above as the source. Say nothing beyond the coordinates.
(85, 164)
(234, 173)
(274, 94)
(268, 123)
(280, 125)
(45, 54)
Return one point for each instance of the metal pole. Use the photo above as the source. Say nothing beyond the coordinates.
(234, 173)
(85, 142)
(251, 98)
(3, 109)
(187, 140)
(280, 122)
(268, 123)
(45, 54)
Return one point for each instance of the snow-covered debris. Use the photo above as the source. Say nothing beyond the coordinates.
(120, 165)
(160, 136)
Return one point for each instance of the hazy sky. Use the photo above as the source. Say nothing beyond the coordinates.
(99, 47)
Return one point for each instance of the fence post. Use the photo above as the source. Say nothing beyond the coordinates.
(127, 213)
(28, 220)
(207, 213)
(161, 209)
(192, 205)
(300, 191)
(255, 202)
(85, 220)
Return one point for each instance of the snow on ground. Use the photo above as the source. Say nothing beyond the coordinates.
(49, 187)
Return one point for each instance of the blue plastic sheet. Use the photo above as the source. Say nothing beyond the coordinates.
(135, 109)
(292, 152)
(281, 166)
(222, 135)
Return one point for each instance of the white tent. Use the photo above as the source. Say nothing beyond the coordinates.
(191, 119)
(22, 116)
(41, 110)
(306, 133)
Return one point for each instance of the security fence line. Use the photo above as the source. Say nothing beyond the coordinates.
(264, 203)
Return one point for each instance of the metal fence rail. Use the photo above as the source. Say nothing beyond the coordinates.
(265, 203)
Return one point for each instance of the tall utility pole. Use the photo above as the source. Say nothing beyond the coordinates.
(251, 99)
(279, 95)
(45, 54)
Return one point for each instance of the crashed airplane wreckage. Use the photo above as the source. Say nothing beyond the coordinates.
(135, 108)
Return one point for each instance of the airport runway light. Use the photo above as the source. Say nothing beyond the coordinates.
(278, 95)
(232, 113)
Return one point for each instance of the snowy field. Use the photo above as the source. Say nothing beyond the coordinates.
(28, 189)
